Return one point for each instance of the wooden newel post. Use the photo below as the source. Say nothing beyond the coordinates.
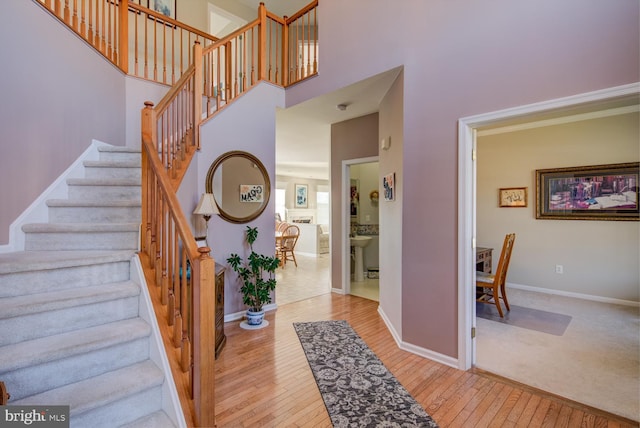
(147, 131)
(204, 338)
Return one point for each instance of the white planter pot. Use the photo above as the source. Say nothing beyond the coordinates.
(255, 318)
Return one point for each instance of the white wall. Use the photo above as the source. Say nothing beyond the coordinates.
(600, 258)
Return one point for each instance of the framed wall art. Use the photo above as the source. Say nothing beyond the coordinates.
(251, 193)
(510, 197)
(596, 192)
(388, 185)
(302, 195)
(165, 7)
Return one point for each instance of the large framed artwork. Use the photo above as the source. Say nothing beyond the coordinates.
(596, 192)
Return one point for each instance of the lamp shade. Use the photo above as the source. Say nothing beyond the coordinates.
(207, 205)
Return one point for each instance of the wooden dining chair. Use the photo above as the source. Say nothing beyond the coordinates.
(287, 244)
(490, 288)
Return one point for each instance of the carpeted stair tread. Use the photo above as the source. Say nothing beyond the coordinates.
(26, 261)
(103, 181)
(42, 302)
(79, 227)
(100, 390)
(158, 419)
(93, 203)
(51, 348)
(111, 164)
(119, 149)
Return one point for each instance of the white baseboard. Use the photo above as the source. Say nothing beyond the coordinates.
(240, 315)
(425, 353)
(574, 295)
(38, 211)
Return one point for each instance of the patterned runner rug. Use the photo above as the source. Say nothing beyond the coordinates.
(356, 387)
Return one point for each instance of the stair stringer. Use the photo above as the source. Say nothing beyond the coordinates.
(38, 211)
(157, 353)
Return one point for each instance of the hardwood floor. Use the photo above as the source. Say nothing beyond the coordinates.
(263, 378)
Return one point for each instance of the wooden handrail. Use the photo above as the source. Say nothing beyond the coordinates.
(185, 275)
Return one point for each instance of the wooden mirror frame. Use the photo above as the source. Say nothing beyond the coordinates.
(267, 185)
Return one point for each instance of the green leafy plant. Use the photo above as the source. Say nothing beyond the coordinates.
(256, 290)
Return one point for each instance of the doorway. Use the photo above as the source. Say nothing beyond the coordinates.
(467, 133)
(360, 225)
(603, 104)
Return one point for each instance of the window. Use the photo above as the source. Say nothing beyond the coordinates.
(280, 203)
(322, 202)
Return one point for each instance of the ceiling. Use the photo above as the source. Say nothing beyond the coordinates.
(303, 132)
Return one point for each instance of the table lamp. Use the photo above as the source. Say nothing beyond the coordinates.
(206, 208)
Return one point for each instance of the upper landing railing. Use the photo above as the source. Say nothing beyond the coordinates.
(147, 44)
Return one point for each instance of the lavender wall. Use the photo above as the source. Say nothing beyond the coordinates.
(463, 58)
(229, 131)
(57, 95)
(351, 139)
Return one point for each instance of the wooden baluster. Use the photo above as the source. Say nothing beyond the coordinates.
(166, 221)
(67, 13)
(123, 36)
(159, 234)
(164, 54)
(244, 62)
(262, 40)
(253, 50)
(90, 23)
(315, 40)
(235, 67)
(146, 49)
(197, 93)
(74, 20)
(135, 45)
(109, 31)
(285, 56)
(83, 20)
(155, 49)
(173, 56)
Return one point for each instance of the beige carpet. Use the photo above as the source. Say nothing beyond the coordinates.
(595, 362)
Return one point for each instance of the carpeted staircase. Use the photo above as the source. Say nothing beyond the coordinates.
(71, 331)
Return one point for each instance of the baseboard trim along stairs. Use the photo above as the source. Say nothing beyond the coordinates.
(76, 322)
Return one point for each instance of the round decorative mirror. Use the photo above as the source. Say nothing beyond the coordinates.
(240, 185)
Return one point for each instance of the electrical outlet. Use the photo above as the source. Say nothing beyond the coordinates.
(559, 269)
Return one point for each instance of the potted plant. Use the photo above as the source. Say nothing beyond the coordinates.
(255, 289)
